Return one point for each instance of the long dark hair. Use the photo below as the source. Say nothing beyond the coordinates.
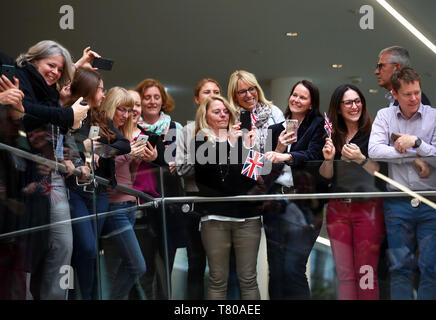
(85, 84)
(314, 99)
(339, 131)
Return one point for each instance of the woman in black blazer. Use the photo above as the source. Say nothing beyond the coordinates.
(291, 227)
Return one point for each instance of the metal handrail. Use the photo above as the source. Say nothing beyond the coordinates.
(297, 196)
(62, 169)
(156, 202)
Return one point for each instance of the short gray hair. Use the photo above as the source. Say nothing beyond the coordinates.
(397, 54)
(45, 49)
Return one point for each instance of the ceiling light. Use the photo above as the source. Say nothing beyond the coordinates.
(373, 90)
(336, 66)
(407, 24)
(291, 34)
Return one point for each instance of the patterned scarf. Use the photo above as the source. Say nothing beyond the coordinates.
(260, 115)
(160, 127)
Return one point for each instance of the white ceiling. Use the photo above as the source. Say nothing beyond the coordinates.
(181, 41)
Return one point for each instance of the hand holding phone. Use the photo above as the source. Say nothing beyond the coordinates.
(394, 137)
(153, 140)
(142, 139)
(93, 132)
(103, 64)
(8, 71)
(245, 120)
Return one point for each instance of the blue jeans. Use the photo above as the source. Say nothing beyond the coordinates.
(123, 256)
(84, 240)
(290, 238)
(408, 229)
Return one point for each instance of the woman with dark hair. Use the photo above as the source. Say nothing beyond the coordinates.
(291, 228)
(109, 143)
(355, 225)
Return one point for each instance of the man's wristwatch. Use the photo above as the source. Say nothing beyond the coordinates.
(418, 142)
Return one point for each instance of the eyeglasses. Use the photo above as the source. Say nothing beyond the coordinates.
(243, 93)
(102, 89)
(123, 110)
(349, 103)
(380, 65)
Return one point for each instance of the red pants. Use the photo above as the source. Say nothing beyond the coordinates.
(356, 231)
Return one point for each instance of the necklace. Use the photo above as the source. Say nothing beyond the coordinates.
(350, 137)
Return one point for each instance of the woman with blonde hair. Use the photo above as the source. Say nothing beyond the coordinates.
(245, 92)
(185, 168)
(225, 224)
(126, 264)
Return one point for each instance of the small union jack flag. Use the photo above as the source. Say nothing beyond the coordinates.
(328, 125)
(252, 165)
(46, 187)
(254, 117)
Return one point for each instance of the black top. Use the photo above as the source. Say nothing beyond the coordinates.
(41, 101)
(348, 176)
(106, 162)
(308, 147)
(310, 140)
(220, 177)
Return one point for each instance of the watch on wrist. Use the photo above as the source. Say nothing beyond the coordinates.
(290, 161)
(418, 142)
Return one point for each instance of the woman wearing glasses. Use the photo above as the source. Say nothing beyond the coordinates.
(291, 228)
(245, 92)
(109, 143)
(355, 225)
(124, 260)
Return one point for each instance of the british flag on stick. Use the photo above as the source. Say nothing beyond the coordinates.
(254, 117)
(328, 125)
(252, 165)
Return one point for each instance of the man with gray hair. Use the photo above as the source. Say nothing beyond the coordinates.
(390, 60)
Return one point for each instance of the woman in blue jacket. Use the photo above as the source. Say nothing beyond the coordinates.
(291, 227)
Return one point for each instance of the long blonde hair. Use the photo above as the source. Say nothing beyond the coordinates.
(117, 97)
(250, 79)
(201, 124)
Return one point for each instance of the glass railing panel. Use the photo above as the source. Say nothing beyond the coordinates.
(304, 238)
(347, 235)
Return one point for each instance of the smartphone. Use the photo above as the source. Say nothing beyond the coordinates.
(142, 139)
(153, 140)
(292, 125)
(8, 71)
(93, 132)
(102, 64)
(394, 137)
(83, 103)
(245, 120)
